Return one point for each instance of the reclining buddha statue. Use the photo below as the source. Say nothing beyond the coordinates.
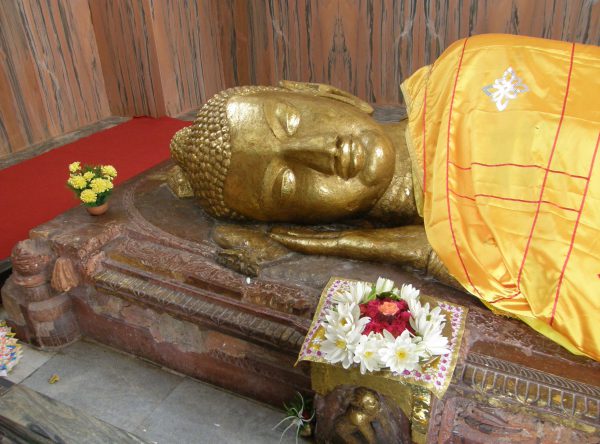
(491, 183)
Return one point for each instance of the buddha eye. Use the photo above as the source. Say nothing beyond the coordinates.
(283, 119)
(289, 118)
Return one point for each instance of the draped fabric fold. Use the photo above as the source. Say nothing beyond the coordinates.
(504, 133)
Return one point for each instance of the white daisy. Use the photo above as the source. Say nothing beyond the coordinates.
(411, 295)
(383, 285)
(346, 318)
(399, 354)
(366, 353)
(436, 316)
(424, 320)
(354, 295)
(339, 346)
(434, 343)
(408, 291)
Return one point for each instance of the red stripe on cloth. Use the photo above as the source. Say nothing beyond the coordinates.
(492, 165)
(35, 191)
(448, 170)
(564, 268)
(537, 211)
(424, 146)
(461, 195)
(511, 199)
(505, 298)
(526, 201)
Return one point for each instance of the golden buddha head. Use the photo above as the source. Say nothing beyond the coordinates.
(297, 153)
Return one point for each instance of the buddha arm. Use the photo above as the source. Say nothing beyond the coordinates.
(405, 245)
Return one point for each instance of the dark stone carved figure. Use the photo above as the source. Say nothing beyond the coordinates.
(357, 415)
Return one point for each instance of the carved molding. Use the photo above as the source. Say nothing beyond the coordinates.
(533, 388)
(140, 226)
(456, 418)
(280, 374)
(187, 302)
(201, 273)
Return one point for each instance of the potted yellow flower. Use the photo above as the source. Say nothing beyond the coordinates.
(92, 185)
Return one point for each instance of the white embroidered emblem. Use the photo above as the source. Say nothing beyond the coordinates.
(505, 89)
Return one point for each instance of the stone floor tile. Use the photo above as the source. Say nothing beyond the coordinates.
(36, 415)
(198, 413)
(31, 360)
(119, 389)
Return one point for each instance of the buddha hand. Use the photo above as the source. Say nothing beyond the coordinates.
(406, 245)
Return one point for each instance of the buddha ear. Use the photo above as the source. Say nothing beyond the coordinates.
(328, 91)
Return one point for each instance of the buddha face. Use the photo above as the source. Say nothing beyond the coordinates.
(301, 158)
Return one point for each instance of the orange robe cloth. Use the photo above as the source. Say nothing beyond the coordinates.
(507, 163)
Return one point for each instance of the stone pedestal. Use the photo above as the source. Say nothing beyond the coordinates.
(145, 278)
(38, 313)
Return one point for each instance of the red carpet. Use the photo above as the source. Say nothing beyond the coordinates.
(34, 191)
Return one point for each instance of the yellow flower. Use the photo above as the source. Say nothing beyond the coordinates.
(89, 175)
(99, 185)
(74, 167)
(77, 182)
(88, 196)
(108, 170)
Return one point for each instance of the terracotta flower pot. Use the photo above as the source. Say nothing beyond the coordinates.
(97, 211)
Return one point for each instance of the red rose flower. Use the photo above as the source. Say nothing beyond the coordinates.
(370, 309)
(388, 308)
(386, 314)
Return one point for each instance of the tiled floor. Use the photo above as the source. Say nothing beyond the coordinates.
(30, 362)
(157, 405)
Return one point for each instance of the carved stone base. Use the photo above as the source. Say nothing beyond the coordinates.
(38, 313)
(145, 278)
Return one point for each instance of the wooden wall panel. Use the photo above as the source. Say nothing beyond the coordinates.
(69, 63)
(368, 46)
(186, 36)
(158, 56)
(235, 39)
(127, 48)
(50, 77)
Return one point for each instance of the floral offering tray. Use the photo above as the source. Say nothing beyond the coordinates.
(10, 349)
(385, 331)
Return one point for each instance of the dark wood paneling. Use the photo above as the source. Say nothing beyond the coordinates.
(186, 36)
(368, 46)
(126, 44)
(232, 17)
(69, 63)
(158, 56)
(50, 77)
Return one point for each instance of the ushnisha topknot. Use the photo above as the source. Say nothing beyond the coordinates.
(203, 150)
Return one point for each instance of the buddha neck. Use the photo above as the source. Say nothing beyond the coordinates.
(397, 205)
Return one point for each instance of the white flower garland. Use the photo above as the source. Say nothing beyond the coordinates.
(345, 342)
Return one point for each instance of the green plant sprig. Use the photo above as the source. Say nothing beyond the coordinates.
(383, 295)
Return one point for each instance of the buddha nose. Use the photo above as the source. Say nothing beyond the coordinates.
(328, 154)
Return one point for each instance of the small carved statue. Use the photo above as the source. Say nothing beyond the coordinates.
(357, 415)
(481, 157)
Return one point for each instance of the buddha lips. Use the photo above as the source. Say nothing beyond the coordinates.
(386, 314)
